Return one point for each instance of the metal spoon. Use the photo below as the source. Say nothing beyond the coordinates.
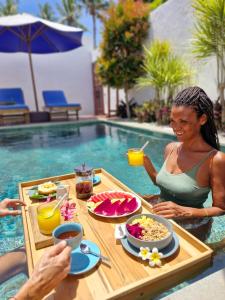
(86, 250)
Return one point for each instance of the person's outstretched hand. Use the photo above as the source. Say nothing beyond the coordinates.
(6, 204)
(51, 269)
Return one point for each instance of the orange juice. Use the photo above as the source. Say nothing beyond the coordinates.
(47, 221)
(135, 157)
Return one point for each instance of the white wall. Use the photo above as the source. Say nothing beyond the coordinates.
(69, 71)
(174, 21)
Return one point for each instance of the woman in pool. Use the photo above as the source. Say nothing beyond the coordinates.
(193, 166)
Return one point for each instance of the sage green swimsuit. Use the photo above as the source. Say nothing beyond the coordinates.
(182, 188)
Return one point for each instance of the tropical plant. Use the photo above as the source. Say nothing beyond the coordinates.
(94, 8)
(147, 111)
(164, 70)
(155, 3)
(70, 12)
(122, 108)
(125, 27)
(209, 38)
(46, 12)
(162, 114)
(217, 110)
(9, 8)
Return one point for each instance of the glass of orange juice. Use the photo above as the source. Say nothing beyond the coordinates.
(135, 157)
(47, 220)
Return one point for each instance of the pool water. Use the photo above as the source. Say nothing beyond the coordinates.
(32, 153)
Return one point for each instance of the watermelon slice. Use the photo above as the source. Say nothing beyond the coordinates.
(102, 197)
(95, 199)
(119, 195)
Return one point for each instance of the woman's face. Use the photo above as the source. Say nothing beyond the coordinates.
(185, 123)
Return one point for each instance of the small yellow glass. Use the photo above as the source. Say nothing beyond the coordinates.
(135, 157)
(47, 221)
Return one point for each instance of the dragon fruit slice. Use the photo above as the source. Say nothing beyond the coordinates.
(102, 207)
(121, 210)
(110, 208)
(114, 207)
(131, 205)
(135, 230)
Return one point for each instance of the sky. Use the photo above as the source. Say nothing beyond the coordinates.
(32, 7)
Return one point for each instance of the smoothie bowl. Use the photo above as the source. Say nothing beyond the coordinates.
(148, 230)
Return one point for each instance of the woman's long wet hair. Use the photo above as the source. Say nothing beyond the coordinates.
(196, 98)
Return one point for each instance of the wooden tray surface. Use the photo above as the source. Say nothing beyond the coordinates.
(128, 277)
(40, 240)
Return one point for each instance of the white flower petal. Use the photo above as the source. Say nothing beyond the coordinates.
(160, 255)
(155, 250)
(151, 263)
(158, 262)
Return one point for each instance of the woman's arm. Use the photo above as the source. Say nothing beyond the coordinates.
(217, 182)
(169, 209)
(150, 169)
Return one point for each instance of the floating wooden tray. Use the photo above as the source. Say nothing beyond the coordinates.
(128, 277)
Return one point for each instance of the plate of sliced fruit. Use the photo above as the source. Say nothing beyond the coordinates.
(113, 204)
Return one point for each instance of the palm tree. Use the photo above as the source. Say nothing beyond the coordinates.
(46, 12)
(9, 8)
(209, 38)
(94, 8)
(70, 12)
(164, 70)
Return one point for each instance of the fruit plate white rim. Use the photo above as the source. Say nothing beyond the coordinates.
(139, 202)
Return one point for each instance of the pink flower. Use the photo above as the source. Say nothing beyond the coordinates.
(48, 199)
(68, 210)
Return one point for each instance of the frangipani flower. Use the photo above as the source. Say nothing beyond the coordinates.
(155, 258)
(144, 253)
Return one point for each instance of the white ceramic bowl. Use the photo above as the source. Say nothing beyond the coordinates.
(160, 244)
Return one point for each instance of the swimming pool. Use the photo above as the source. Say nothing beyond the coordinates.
(32, 153)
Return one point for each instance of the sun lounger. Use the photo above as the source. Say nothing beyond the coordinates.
(12, 105)
(56, 104)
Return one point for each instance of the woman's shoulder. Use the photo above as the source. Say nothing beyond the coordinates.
(219, 159)
(170, 147)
